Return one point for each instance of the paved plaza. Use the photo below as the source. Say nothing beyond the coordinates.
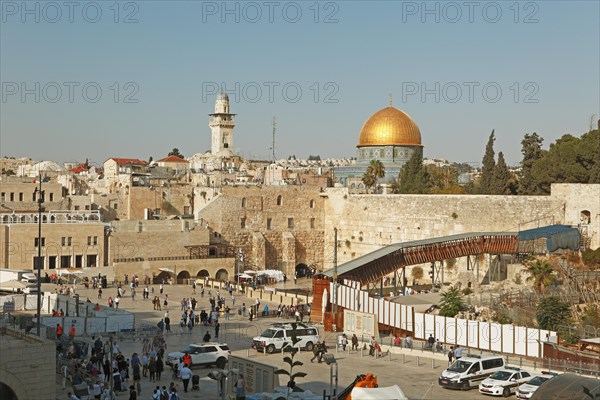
(418, 382)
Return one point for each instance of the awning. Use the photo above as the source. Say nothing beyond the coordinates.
(166, 270)
(557, 236)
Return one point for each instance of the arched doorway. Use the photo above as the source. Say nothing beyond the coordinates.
(183, 277)
(302, 270)
(6, 393)
(222, 275)
(202, 273)
(163, 277)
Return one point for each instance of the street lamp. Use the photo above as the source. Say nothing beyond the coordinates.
(40, 200)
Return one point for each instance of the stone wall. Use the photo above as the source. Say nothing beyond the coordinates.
(28, 365)
(368, 222)
(146, 239)
(275, 227)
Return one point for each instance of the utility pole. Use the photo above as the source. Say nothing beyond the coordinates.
(335, 273)
(40, 201)
(273, 145)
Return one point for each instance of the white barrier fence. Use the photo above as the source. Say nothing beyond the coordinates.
(486, 336)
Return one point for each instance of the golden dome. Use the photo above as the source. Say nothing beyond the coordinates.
(390, 127)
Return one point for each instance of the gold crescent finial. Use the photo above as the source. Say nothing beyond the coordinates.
(390, 100)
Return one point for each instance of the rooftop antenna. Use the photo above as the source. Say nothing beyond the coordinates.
(274, 129)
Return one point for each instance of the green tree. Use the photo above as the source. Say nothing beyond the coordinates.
(452, 302)
(552, 313)
(488, 169)
(175, 152)
(290, 360)
(444, 180)
(541, 273)
(569, 160)
(503, 180)
(531, 148)
(413, 177)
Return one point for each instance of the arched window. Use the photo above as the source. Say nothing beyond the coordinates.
(585, 217)
(279, 200)
(243, 202)
(312, 204)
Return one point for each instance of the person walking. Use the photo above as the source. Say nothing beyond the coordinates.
(344, 341)
(186, 375)
(354, 342)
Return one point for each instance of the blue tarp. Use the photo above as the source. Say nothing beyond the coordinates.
(557, 236)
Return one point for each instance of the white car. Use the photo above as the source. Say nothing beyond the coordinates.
(526, 390)
(210, 353)
(504, 382)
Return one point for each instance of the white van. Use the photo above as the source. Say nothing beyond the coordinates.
(278, 336)
(468, 372)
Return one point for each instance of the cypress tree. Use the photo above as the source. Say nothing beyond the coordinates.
(488, 169)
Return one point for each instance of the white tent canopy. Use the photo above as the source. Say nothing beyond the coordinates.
(13, 284)
(386, 393)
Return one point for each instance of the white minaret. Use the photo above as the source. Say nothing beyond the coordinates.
(221, 125)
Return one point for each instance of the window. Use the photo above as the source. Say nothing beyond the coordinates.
(186, 209)
(209, 349)
(290, 222)
(87, 207)
(63, 241)
(278, 334)
(243, 202)
(312, 204)
(474, 368)
(76, 208)
(114, 206)
(312, 223)
(279, 200)
(95, 241)
(51, 196)
(243, 223)
(69, 240)
(3, 196)
(20, 196)
(269, 223)
(36, 242)
(89, 240)
(12, 196)
(525, 374)
(493, 363)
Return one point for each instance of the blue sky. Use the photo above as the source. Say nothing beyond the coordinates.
(157, 66)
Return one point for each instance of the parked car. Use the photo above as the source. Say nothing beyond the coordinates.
(526, 390)
(279, 337)
(468, 372)
(210, 353)
(504, 382)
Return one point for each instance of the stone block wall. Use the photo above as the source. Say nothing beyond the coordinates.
(28, 365)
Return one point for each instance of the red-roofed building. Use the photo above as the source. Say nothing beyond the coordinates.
(179, 165)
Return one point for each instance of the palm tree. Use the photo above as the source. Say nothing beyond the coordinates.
(541, 272)
(375, 171)
(377, 168)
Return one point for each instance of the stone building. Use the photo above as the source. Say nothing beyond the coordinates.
(70, 239)
(17, 195)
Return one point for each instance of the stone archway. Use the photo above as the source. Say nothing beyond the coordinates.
(6, 392)
(222, 275)
(183, 277)
(303, 270)
(164, 276)
(202, 273)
